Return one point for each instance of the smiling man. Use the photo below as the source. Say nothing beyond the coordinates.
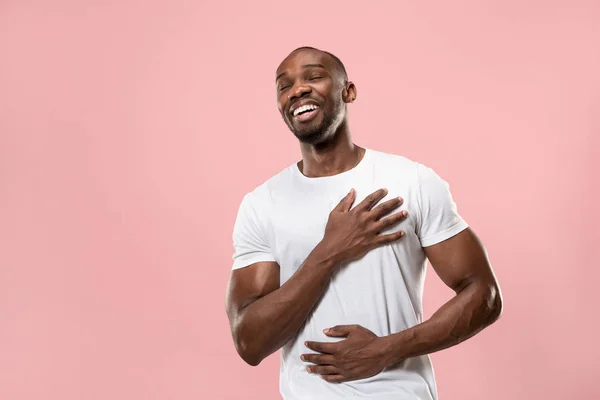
(330, 254)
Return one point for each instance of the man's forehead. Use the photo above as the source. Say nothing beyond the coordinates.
(305, 57)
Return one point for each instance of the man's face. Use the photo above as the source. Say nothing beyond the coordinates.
(310, 95)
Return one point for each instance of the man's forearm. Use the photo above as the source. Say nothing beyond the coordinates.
(471, 310)
(266, 324)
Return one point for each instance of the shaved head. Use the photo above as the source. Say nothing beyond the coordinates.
(312, 92)
(337, 61)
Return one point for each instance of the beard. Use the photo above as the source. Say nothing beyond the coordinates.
(318, 132)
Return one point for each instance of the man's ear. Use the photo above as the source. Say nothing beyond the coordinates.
(349, 94)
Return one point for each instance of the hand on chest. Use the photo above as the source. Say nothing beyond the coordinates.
(298, 220)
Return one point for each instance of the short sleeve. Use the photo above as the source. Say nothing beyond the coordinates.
(439, 219)
(250, 240)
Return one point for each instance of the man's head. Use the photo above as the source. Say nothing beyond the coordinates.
(312, 93)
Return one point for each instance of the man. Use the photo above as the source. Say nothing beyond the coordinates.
(329, 256)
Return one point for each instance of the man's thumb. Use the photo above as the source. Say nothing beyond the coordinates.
(346, 202)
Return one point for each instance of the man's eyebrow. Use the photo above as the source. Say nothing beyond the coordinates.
(304, 66)
(313, 66)
(280, 75)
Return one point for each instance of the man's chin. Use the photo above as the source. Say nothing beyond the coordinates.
(313, 132)
(310, 137)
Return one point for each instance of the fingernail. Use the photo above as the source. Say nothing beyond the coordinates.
(325, 330)
(302, 358)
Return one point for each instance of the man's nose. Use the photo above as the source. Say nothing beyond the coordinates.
(299, 90)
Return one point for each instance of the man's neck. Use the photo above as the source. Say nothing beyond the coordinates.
(331, 158)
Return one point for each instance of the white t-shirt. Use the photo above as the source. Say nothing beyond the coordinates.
(283, 220)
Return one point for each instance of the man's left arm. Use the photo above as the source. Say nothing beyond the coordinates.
(463, 265)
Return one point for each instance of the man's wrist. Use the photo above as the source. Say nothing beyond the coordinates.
(326, 257)
(394, 348)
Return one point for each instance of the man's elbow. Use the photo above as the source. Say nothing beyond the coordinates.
(249, 358)
(246, 352)
(494, 302)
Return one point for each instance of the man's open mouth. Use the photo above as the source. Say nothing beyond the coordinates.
(305, 109)
(305, 112)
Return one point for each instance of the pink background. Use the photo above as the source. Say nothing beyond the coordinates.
(131, 130)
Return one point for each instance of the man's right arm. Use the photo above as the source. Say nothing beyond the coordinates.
(264, 315)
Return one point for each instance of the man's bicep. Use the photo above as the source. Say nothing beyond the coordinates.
(460, 260)
(248, 284)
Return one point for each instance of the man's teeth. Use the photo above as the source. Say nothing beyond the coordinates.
(302, 109)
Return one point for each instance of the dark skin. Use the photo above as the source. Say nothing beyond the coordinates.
(325, 141)
(463, 266)
(264, 315)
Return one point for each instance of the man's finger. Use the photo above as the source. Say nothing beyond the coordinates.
(390, 238)
(385, 208)
(339, 331)
(323, 370)
(391, 221)
(321, 347)
(345, 204)
(369, 202)
(320, 359)
(334, 378)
